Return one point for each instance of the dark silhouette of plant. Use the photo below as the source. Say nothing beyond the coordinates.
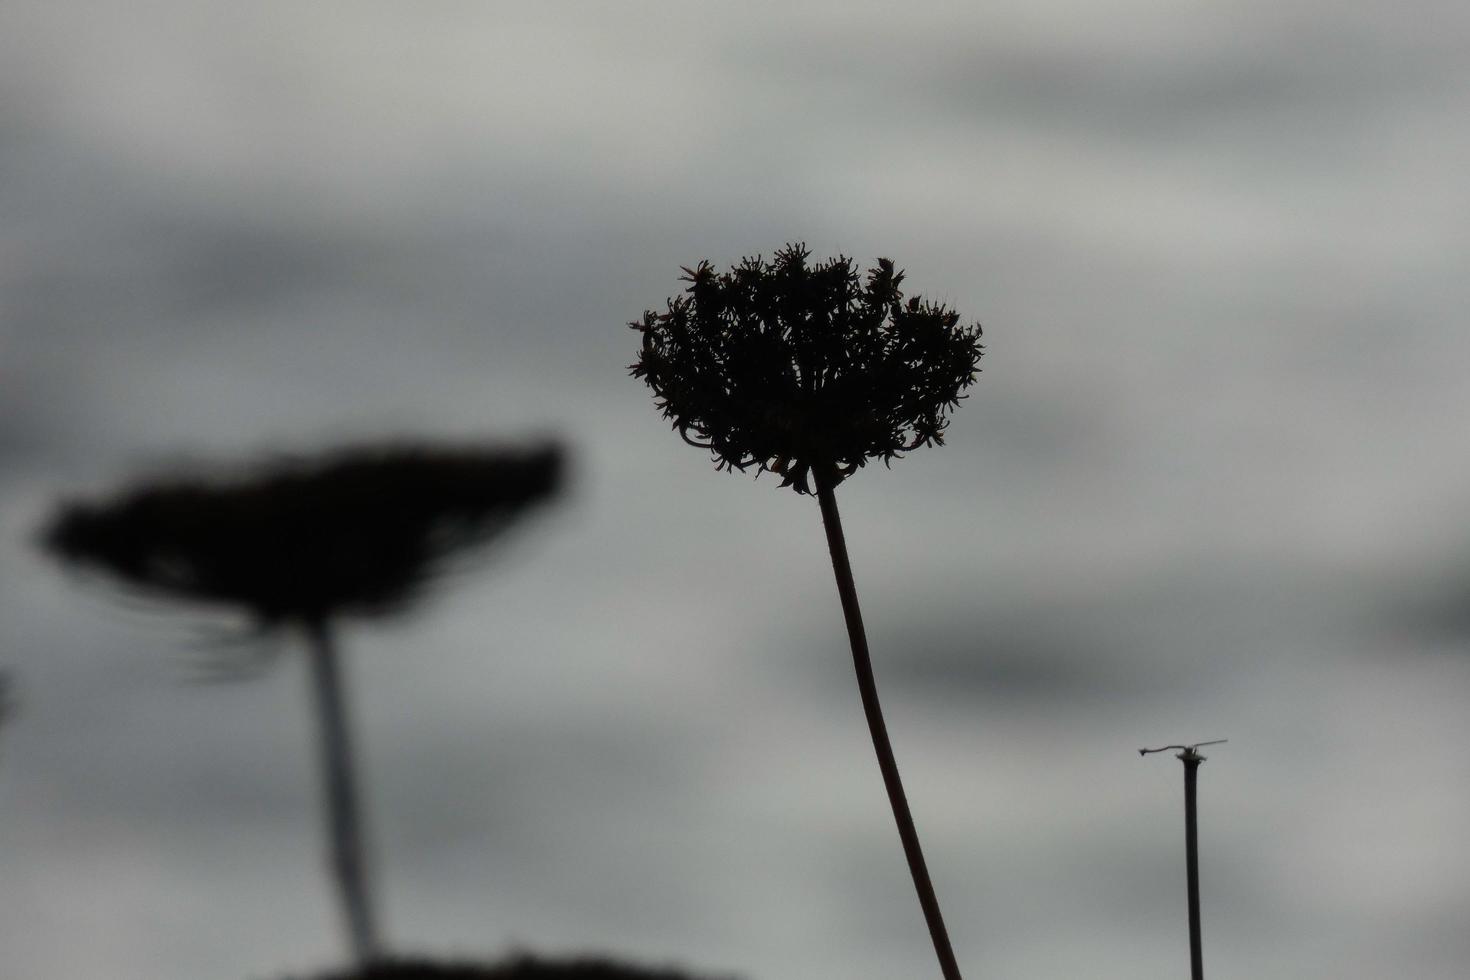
(298, 543)
(1189, 755)
(810, 371)
(516, 968)
(7, 698)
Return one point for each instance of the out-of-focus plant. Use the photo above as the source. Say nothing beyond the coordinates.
(298, 543)
(809, 371)
(521, 967)
(7, 697)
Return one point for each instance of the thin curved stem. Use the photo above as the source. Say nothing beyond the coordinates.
(348, 860)
(868, 687)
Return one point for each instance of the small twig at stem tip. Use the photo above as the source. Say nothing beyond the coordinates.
(1184, 748)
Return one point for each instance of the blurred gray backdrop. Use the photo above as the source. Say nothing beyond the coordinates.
(1211, 484)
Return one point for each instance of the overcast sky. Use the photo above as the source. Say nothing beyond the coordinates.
(1211, 483)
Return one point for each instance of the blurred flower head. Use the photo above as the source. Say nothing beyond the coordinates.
(790, 366)
(357, 531)
(520, 967)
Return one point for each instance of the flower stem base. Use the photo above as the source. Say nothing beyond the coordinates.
(343, 817)
(887, 764)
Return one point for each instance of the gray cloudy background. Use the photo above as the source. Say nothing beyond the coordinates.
(1212, 482)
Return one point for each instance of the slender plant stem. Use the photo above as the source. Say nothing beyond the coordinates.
(1191, 760)
(5, 701)
(847, 590)
(348, 860)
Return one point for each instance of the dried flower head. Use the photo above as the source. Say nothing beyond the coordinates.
(360, 531)
(788, 365)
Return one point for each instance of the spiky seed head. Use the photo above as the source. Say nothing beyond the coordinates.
(787, 365)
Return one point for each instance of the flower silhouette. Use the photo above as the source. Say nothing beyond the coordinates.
(521, 967)
(361, 531)
(788, 365)
(300, 542)
(7, 700)
(810, 371)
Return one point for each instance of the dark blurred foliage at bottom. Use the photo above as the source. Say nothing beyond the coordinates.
(518, 967)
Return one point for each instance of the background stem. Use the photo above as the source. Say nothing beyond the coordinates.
(887, 764)
(1191, 760)
(344, 829)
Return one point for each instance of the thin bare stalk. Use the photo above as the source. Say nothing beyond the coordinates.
(6, 703)
(887, 764)
(1189, 755)
(1191, 760)
(348, 861)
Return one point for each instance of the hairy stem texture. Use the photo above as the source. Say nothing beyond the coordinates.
(887, 764)
(348, 858)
